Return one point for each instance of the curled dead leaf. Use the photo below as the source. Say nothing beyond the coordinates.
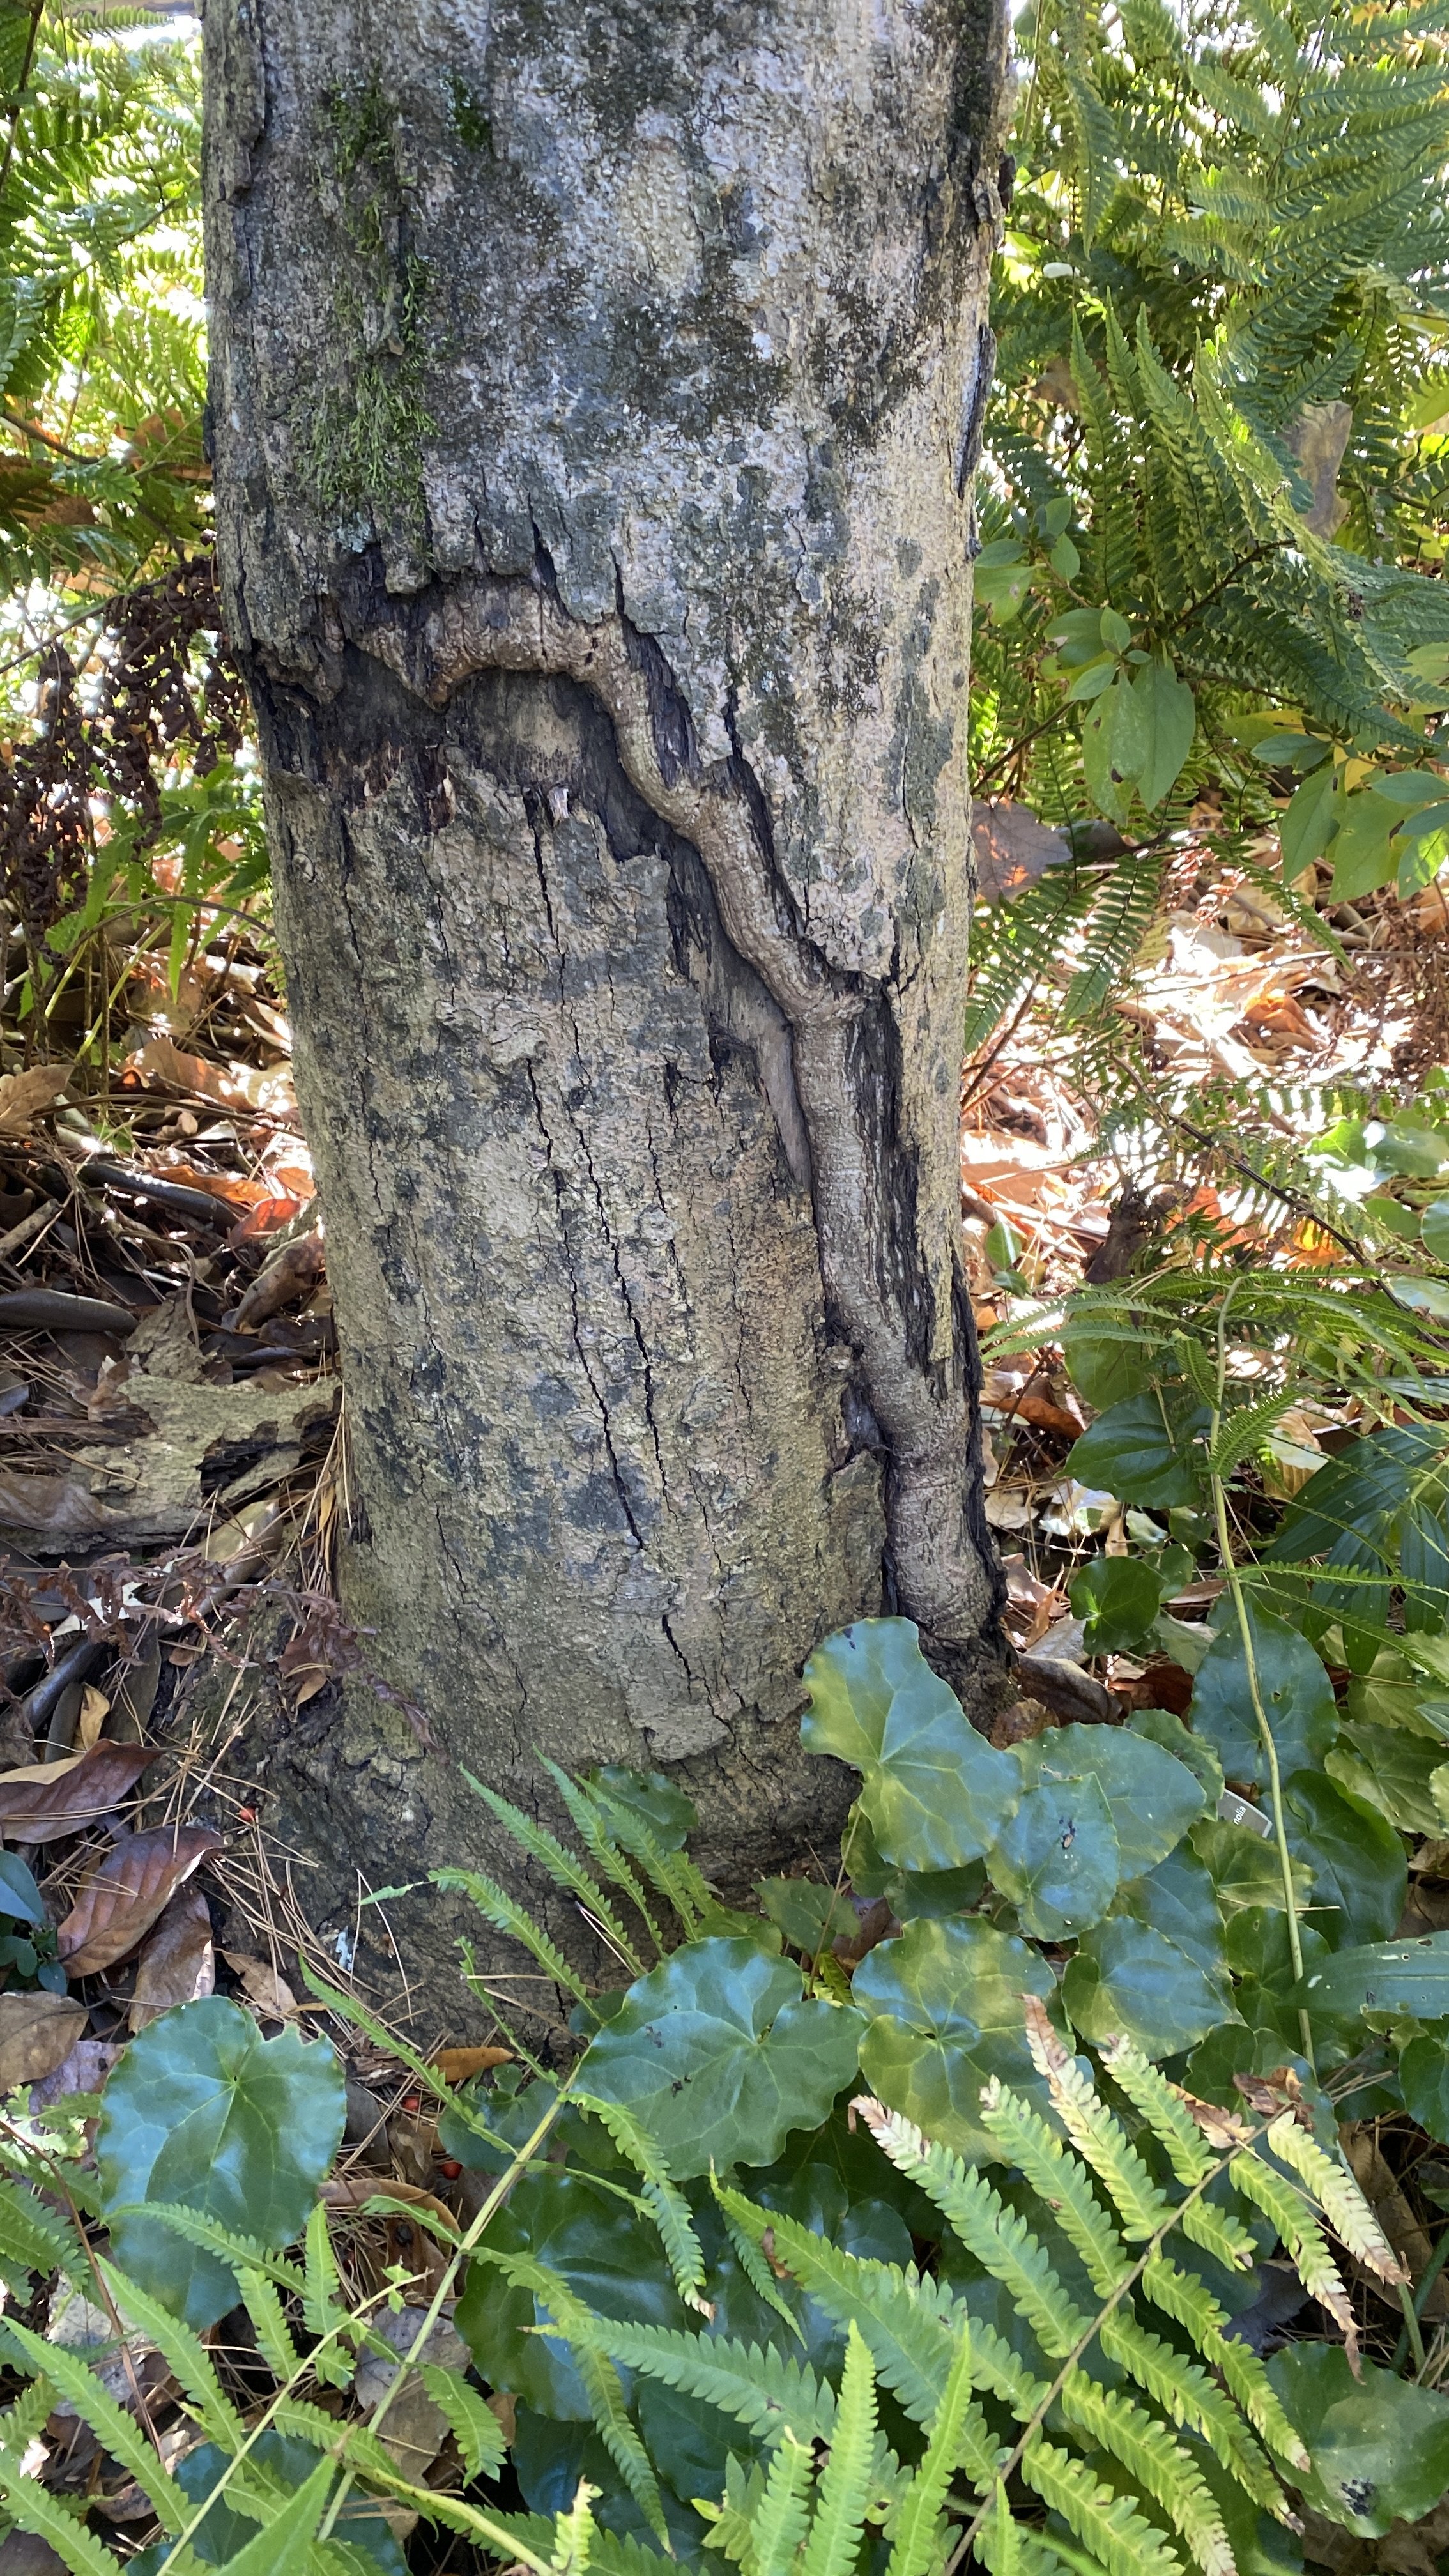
(66, 1795)
(24, 1097)
(37, 2034)
(118, 1904)
(178, 1964)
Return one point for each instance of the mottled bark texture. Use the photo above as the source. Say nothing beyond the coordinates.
(595, 392)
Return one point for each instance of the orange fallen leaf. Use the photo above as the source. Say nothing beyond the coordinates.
(118, 1904)
(269, 1995)
(456, 2065)
(60, 1797)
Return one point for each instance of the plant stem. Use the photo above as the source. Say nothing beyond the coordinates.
(1234, 1583)
(1414, 2309)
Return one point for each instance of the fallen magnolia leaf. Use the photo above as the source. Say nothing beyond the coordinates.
(456, 2065)
(292, 1275)
(118, 1904)
(270, 1996)
(178, 1964)
(37, 2034)
(37, 1806)
(24, 1097)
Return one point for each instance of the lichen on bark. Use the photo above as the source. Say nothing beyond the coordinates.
(620, 826)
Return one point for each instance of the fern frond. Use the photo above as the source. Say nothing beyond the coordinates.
(322, 2310)
(1119, 2538)
(37, 2511)
(1185, 2393)
(918, 2527)
(759, 2275)
(265, 2310)
(845, 2488)
(602, 2385)
(1338, 2195)
(998, 2237)
(769, 2395)
(912, 2350)
(1061, 2180)
(673, 1872)
(507, 1916)
(471, 2421)
(663, 2199)
(782, 2518)
(561, 1866)
(183, 2350)
(116, 2431)
(1302, 2237)
(1097, 2136)
(1158, 2465)
(602, 1850)
(1160, 2105)
(1190, 2304)
(35, 2239)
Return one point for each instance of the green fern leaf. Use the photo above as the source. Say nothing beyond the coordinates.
(116, 2431)
(918, 2527)
(471, 2421)
(1061, 2181)
(183, 2350)
(781, 2519)
(846, 2485)
(1156, 2463)
(1109, 2526)
(912, 2351)
(507, 1916)
(40, 2513)
(1162, 2107)
(562, 1868)
(602, 1850)
(759, 2387)
(662, 2198)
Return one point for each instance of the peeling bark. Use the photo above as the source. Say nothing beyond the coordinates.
(596, 395)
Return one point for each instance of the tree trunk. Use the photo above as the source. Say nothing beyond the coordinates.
(596, 389)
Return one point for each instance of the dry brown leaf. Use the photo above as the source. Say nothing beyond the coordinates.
(163, 1062)
(67, 1795)
(25, 1096)
(95, 1708)
(269, 1995)
(456, 2065)
(50, 1771)
(178, 1964)
(118, 1904)
(37, 2034)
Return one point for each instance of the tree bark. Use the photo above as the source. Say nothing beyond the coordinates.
(596, 391)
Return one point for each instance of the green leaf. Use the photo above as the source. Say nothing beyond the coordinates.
(944, 2015)
(1392, 1770)
(1424, 2081)
(1244, 1865)
(280, 2548)
(1391, 1977)
(1434, 1228)
(1109, 779)
(19, 1896)
(204, 2112)
(1379, 2445)
(1308, 822)
(1131, 1981)
(594, 2242)
(719, 2058)
(934, 1792)
(1356, 1859)
(1057, 1857)
(1296, 1693)
(1117, 1598)
(1363, 854)
(1153, 1797)
(1154, 731)
(808, 1914)
(1143, 1451)
(1178, 1898)
(1161, 1727)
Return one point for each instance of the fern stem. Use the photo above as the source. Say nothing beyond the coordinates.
(1234, 1582)
(1125, 2286)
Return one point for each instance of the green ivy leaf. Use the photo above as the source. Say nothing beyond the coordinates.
(1296, 1692)
(1129, 1978)
(20, 1898)
(1391, 1770)
(934, 1793)
(1142, 1450)
(1161, 1727)
(1178, 1899)
(1117, 1598)
(1380, 2445)
(1151, 1796)
(1356, 1858)
(1245, 1867)
(718, 2057)
(286, 2464)
(944, 2013)
(1057, 1857)
(1434, 1229)
(204, 2112)
(1424, 2078)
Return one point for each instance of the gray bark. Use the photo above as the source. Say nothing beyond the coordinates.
(595, 395)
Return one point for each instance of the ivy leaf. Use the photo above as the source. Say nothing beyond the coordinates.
(1142, 1451)
(1392, 1770)
(934, 1793)
(1128, 1978)
(1434, 1230)
(1057, 1857)
(719, 2058)
(1424, 2079)
(1296, 1692)
(1245, 1867)
(944, 2014)
(610, 2258)
(1152, 1797)
(1356, 1858)
(1395, 1977)
(204, 2112)
(1380, 2446)
(1117, 1598)
(1178, 1898)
